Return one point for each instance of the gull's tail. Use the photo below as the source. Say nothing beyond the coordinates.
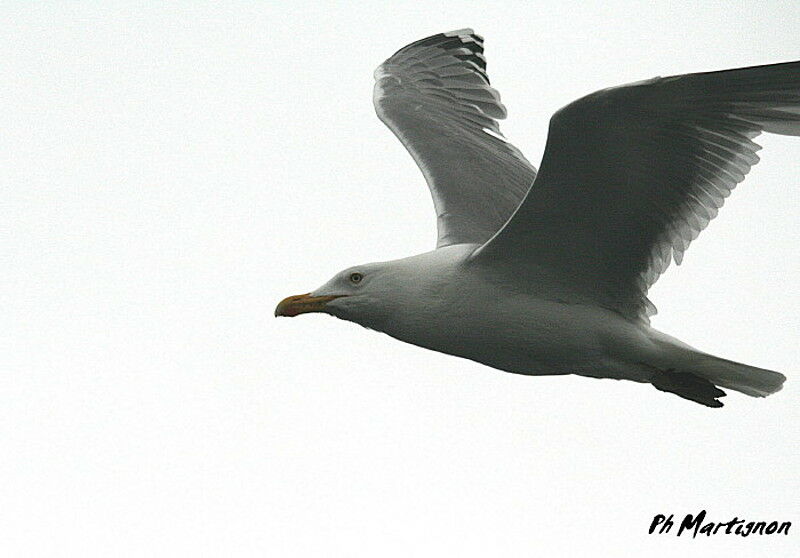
(756, 382)
(699, 376)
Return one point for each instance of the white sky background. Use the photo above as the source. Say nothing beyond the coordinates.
(169, 174)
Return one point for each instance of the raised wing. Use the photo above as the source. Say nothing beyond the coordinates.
(632, 174)
(434, 95)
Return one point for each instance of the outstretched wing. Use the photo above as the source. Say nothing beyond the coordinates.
(434, 95)
(632, 174)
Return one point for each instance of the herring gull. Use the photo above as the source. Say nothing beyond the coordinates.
(547, 273)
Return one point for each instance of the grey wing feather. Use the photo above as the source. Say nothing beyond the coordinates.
(435, 96)
(632, 174)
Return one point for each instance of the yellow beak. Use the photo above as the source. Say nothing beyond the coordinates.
(302, 304)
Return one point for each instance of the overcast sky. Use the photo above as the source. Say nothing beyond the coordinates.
(169, 174)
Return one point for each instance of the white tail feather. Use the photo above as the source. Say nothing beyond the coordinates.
(750, 380)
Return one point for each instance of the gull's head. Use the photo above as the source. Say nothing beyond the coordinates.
(364, 294)
(385, 295)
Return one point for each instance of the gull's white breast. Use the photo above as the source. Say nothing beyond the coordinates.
(461, 309)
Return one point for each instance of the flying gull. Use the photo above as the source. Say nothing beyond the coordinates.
(547, 273)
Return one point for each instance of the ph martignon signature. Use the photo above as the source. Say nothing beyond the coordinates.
(696, 524)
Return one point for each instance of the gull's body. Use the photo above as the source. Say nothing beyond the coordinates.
(521, 332)
(548, 274)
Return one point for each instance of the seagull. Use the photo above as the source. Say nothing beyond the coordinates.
(547, 273)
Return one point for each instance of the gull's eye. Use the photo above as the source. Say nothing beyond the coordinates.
(356, 278)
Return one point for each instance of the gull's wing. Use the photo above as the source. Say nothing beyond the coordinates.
(434, 95)
(632, 174)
